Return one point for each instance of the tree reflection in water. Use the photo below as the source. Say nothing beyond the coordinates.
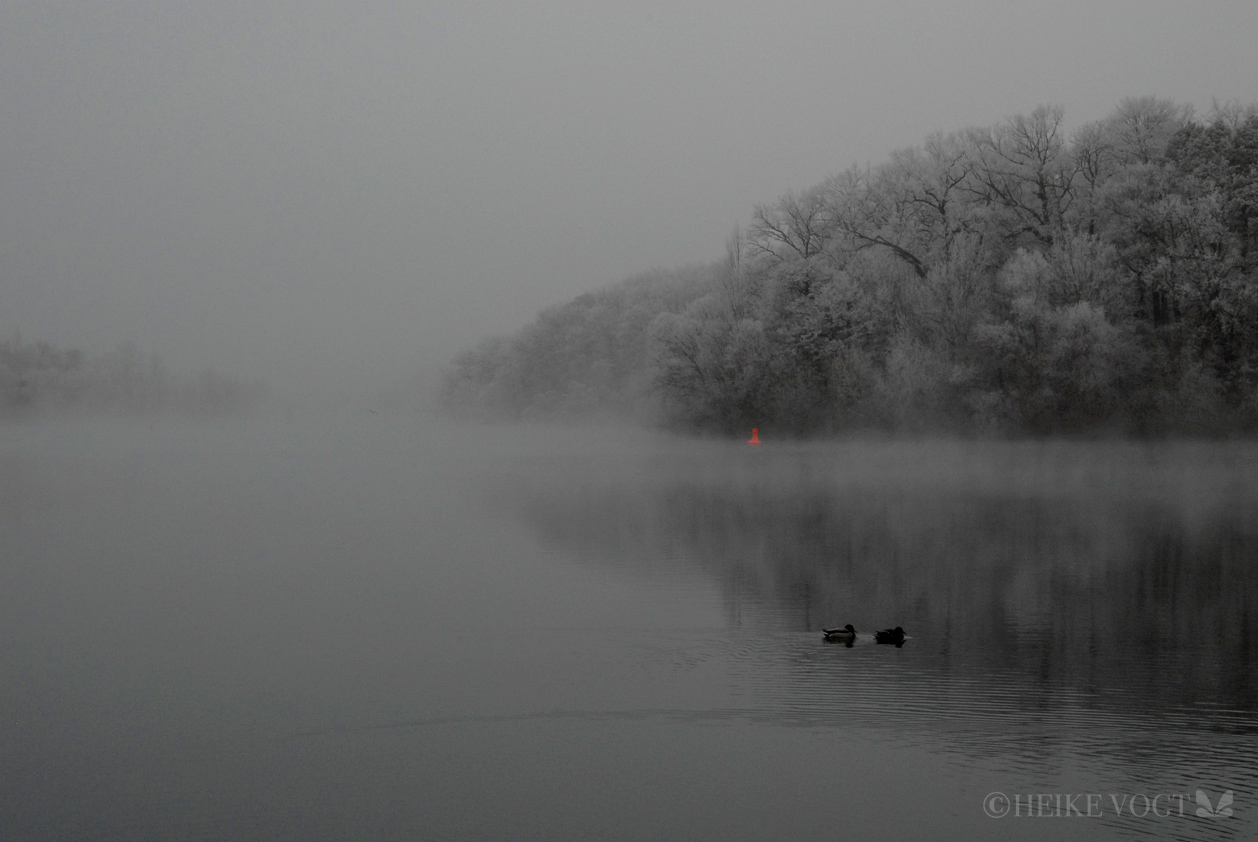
(1058, 577)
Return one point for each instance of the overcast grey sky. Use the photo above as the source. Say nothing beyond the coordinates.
(339, 193)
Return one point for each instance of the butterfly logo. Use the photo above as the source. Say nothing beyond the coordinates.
(1205, 810)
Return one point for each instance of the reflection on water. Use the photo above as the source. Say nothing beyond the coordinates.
(1065, 603)
(318, 632)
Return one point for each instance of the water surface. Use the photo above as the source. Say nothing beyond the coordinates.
(385, 628)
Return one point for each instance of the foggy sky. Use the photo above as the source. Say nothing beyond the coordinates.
(332, 195)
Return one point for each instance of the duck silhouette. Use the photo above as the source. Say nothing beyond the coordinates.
(844, 635)
(894, 636)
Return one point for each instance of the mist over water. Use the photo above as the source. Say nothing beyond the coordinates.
(374, 626)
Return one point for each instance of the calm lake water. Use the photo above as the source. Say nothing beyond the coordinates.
(386, 628)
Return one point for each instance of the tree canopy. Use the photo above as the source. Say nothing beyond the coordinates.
(1010, 279)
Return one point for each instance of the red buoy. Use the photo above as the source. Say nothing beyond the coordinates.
(755, 436)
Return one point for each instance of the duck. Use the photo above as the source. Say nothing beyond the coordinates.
(895, 635)
(845, 634)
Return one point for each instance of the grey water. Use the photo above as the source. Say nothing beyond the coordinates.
(373, 627)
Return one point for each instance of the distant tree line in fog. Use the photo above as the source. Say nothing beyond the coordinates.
(1002, 280)
(39, 378)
